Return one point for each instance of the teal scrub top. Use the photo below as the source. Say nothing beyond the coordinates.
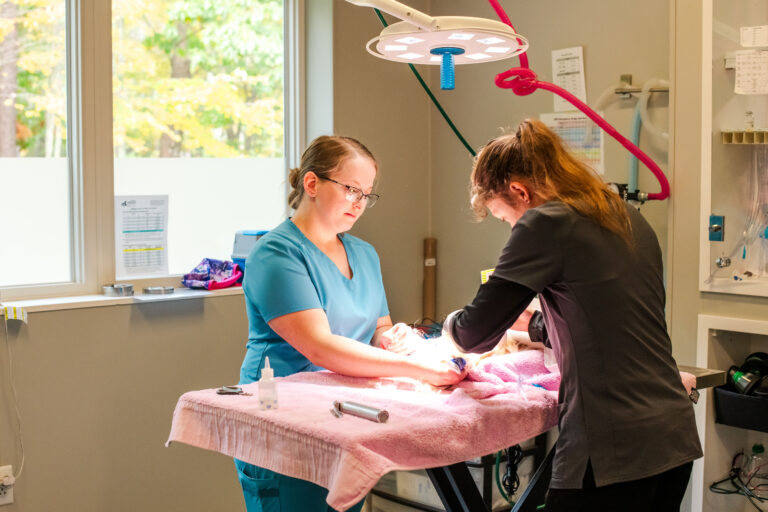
(286, 273)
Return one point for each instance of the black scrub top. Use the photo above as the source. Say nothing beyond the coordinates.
(622, 404)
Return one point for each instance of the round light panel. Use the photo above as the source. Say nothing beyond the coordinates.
(482, 40)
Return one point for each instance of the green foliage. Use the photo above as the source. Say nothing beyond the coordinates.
(225, 100)
(40, 94)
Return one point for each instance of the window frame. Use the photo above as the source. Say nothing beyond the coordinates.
(90, 144)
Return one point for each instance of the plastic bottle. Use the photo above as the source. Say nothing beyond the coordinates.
(267, 387)
(754, 472)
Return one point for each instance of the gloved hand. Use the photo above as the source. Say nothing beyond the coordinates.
(402, 339)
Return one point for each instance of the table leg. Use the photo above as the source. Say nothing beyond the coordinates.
(456, 488)
(535, 493)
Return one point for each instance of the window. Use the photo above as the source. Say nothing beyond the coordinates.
(197, 114)
(198, 117)
(36, 240)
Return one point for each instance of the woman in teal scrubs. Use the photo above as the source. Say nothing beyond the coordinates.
(315, 300)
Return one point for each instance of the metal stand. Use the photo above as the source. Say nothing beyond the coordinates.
(459, 493)
(457, 489)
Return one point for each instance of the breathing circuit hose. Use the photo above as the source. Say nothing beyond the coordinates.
(522, 80)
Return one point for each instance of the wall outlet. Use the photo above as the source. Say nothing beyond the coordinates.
(6, 492)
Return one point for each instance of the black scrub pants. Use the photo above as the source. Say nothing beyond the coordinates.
(658, 493)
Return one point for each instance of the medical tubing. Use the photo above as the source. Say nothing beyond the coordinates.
(606, 97)
(643, 104)
(757, 215)
(505, 19)
(632, 162)
(433, 98)
(525, 83)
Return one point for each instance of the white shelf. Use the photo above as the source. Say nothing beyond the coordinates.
(93, 301)
(755, 286)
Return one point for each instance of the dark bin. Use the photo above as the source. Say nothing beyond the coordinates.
(738, 410)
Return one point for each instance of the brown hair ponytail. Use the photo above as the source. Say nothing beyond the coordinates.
(537, 155)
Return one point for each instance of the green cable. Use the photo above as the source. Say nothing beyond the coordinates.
(432, 97)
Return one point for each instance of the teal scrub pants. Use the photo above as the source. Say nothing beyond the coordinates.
(267, 491)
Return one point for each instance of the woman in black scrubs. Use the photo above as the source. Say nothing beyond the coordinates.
(627, 430)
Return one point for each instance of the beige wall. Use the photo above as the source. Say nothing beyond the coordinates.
(96, 391)
(380, 103)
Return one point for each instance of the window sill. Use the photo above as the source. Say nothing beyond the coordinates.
(95, 301)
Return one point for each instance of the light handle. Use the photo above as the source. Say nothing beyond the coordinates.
(402, 11)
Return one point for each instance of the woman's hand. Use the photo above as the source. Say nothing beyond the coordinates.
(442, 373)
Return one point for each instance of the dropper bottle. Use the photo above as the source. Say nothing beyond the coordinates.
(267, 387)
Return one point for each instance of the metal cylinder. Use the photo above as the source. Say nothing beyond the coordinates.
(118, 290)
(362, 411)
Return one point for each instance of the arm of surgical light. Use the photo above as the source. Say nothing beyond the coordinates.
(402, 11)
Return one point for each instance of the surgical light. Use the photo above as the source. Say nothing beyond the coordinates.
(441, 40)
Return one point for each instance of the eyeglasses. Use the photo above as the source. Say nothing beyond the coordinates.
(355, 195)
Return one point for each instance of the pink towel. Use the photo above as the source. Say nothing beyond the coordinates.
(348, 455)
(509, 373)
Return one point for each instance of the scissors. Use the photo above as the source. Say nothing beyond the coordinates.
(231, 390)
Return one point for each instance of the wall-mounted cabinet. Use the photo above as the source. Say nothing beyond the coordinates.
(722, 342)
(734, 138)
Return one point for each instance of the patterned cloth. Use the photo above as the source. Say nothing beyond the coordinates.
(212, 274)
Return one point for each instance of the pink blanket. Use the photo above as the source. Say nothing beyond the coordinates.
(348, 455)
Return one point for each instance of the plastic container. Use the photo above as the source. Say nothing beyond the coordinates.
(244, 242)
(754, 472)
(267, 388)
(738, 410)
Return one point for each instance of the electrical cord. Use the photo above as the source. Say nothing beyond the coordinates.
(15, 399)
(738, 485)
(427, 327)
(498, 481)
(510, 482)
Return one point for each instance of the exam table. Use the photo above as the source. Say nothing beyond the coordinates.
(427, 428)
